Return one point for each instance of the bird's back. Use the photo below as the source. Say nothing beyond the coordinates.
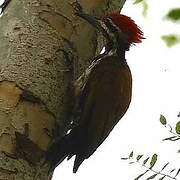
(105, 99)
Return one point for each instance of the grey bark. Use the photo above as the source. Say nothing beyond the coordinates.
(42, 42)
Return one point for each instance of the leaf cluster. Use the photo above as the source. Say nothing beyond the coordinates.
(171, 39)
(174, 16)
(144, 5)
(149, 164)
(174, 131)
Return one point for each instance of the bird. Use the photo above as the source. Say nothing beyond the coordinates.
(104, 97)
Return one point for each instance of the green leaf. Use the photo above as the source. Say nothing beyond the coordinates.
(172, 170)
(144, 4)
(163, 120)
(174, 14)
(124, 158)
(178, 128)
(145, 161)
(153, 160)
(131, 155)
(145, 8)
(139, 157)
(177, 172)
(141, 175)
(171, 39)
(162, 177)
(132, 162)
(152, 177)
(164, 166)
(137, 1)
(172, 138)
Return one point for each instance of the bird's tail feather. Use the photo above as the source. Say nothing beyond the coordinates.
(78, 161)
(60, 149)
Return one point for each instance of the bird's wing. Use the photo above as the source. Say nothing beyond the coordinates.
(106, 98)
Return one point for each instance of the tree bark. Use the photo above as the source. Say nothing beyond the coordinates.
(44, 48)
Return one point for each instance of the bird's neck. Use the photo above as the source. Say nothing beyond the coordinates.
(121, 54)
(117, 48)
(118, 51)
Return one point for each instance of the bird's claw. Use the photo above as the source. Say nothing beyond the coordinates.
(77, 7)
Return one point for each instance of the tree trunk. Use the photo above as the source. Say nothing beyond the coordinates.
(44, 48)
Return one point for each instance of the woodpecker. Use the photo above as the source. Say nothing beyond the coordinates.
(105, 95)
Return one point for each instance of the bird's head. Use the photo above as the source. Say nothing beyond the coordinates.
(124, 29)
(119, 30)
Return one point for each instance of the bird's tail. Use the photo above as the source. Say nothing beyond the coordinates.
(77, 162)
(60, 149)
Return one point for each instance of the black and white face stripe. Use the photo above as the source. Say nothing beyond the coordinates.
(110, 29)
(117, 37)
(111, 26)
(115, 30)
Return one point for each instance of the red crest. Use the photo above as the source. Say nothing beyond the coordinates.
(128, 26)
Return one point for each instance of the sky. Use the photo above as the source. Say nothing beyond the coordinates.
(155, 70)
